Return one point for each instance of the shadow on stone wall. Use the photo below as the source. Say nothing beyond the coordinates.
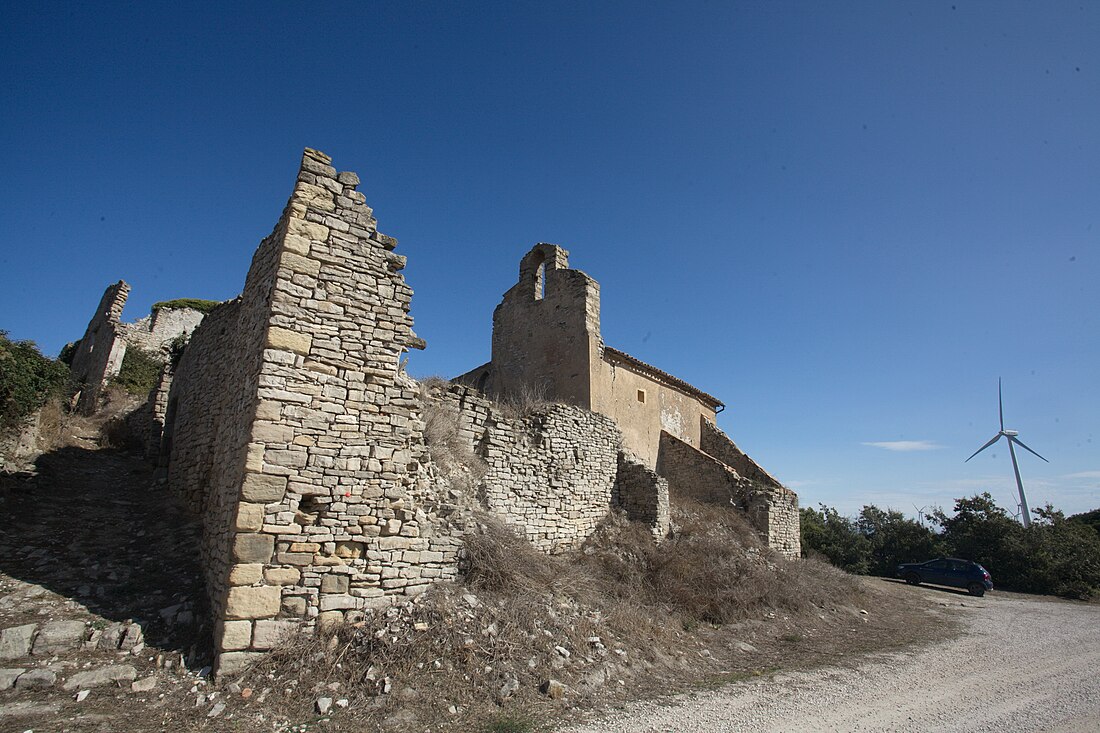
(93, 527)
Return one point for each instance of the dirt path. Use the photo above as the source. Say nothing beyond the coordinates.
(1023, 664)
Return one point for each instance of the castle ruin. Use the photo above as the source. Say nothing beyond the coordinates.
(291, 429)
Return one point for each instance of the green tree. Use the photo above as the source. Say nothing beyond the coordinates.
(836, 537)
(984, 533)
(27, 379)
(894, 539)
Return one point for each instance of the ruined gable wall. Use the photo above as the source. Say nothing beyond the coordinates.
(316, 475)
(98, 355)
(154, 333)
(546, 343)
(781, 503)
(716, 443)
(643, 407)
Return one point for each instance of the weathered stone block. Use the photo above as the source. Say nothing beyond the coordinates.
(246, 574)
(307, 229)
(263, 488)
(287, 340)
(294, 606)
(326, 620)
(250, 517)
(268, 634)
(334, 583)
(236, 635)
(249, 547)
(298, 263)
(349, 550)
(282, 576)
(230, 663)
(16, 641)
(253, 602)
(57, 636)
(114, 674)
(338, 602)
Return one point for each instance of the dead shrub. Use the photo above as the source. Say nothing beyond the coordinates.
(450, 453)
(498, 559)
(524, 401)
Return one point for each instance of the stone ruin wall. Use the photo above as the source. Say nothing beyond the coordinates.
(553, 473)
(98, 355)
(156, 332)
(783, 520)
(291, 429)
(772, 509)
(292, 432)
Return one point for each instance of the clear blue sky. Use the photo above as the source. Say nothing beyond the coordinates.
(844, 219)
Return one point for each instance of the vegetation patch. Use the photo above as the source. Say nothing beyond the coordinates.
(139, 372)
(197, 304)
(1056, 555)
(27, 380)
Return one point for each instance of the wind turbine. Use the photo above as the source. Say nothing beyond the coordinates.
(1010, 435)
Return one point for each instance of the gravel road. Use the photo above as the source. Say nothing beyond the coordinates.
(1022, 665)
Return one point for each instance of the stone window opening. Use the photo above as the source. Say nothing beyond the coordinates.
(540, 281)
(641, 396)
(309, 511)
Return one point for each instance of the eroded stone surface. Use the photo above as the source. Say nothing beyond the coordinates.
(15, 642)
(110, 675)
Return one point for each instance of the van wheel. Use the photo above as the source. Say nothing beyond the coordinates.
(976, 589)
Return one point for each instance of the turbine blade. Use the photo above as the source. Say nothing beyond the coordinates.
(991, 442)
(1021, 444)
(1000, 404)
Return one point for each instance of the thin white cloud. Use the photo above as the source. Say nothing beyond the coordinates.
(1082, 474)
(905, 446)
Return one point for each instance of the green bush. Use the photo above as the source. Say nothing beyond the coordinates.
(198, 304)
(27, 379)
(139, 371)
(894, 539)
(1054, 556)
(835, 537)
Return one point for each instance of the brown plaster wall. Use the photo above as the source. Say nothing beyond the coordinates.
(615, 388)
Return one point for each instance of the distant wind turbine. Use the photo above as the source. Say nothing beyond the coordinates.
(1010, 435)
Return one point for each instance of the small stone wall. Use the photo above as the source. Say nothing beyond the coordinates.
(692, 474)
(551, 473)
(642, 494)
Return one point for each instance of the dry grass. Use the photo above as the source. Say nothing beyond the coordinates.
(524, 402)
(450, 453)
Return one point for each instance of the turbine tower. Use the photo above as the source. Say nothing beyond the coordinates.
(1010, 436)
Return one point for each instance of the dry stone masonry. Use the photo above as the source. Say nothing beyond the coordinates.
(551, 471)
(98, 356)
